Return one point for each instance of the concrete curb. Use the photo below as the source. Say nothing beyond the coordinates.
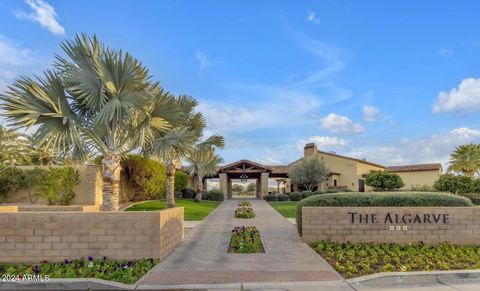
(68, 284)
(415, 278)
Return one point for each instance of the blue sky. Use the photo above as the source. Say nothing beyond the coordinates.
(392, 82)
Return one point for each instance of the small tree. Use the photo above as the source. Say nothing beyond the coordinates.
(384, 181)
(455, 184)
(33, 181)
(251, 187)
(57, 188)
(308, 172)
(237, 188)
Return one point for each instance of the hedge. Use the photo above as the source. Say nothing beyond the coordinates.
(382, 199)
(215, 195)
(475, 197)
(295, 196)
(283, 197)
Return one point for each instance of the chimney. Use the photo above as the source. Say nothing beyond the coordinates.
(310, 149)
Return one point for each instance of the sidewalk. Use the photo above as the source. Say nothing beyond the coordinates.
(203, 257)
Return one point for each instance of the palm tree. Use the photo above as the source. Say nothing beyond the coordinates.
(14, 147)
(203, 162)
(465, 159)
(173, 146)
(96, 101)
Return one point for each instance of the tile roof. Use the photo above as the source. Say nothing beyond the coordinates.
(415, 168)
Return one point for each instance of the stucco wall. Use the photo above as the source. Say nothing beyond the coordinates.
(458, 225)
(418, 178)
(88, 192)
(35, 236)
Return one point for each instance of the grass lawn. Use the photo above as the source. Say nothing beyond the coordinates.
(193, 210)
(353, 260)
(287, 208)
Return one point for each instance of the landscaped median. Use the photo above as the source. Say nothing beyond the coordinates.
(245, 239)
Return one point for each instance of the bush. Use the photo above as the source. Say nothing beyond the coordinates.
(271, 197)
(144, 178)
(34, 179)
(306, 194)
(319, 192)
(383, 199)
(181, 181)
(11, 180)
(188, 193)
(205, 195)
(216, 195)
(474, 197)
(283, 197)
(422, 188)
(296, 196)
(329, 191)
(455, 184)
(382, 181)
(57, 187)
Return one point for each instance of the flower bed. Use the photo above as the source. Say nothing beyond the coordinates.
(353, 260)
(124, 271)
(244, 203)
(244, 212)
(245, 239)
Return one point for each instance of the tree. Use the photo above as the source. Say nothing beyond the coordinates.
(237, 188)
(204, 161)
(465, 159)
(95, 101)
(382, 180)
(455, 184)
(181, 141)
(33, 180)
(308, 172)
(251, 187)
(14, 147)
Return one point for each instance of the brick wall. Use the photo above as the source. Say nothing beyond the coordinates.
(457, 225)
(35, 236)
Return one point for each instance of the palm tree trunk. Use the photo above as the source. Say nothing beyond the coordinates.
(111, 182)
(170, 187)
(198, 195)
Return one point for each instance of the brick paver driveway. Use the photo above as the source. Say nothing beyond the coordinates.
(203, 259)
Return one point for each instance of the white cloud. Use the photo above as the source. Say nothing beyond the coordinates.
(445, 52)
(464, 98)
(323, 142)
(312, 17)
(433, 148)
(370, 113)
(203, 61)
(340, 124)
(12, 56)
(44, 14)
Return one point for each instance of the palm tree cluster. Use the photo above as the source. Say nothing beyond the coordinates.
(100, 101)
(465, 159)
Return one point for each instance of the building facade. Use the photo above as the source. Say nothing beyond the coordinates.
(345, 173)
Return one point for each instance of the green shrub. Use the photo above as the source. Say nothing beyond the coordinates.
(189, 193)
(455, 184)
(306, 194)
(216, 195)
(57, 187)
(296, 196)
(329, 191)
(283, 197)
(11, 180)
(384, 181)
(181, 182)
(34, 179)
(319, 192)
(474, 197)
(145, 178)
(205, 195)
(382, 199)
(244, 212)
(422, 188)
(271, 197)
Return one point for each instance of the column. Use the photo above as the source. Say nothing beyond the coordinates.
(288, 186)
(224, 184)
(229, 193)
(263, 184)
(278, 186)
(257, 189)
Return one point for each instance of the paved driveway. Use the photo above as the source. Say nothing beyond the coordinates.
(203, 259)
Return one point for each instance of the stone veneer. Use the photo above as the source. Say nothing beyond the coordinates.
(35, 236)
(457, 225)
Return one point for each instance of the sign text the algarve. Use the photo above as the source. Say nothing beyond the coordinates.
(395, 218)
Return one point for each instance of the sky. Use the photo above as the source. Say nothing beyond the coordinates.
(394, 82)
